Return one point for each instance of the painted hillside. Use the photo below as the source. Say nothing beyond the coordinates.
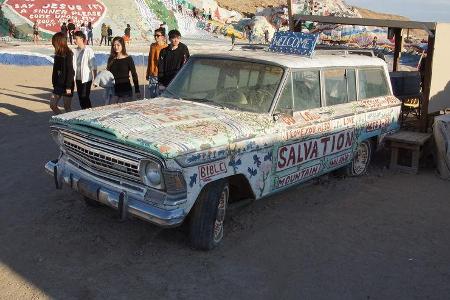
(17, 16)
(194, 18)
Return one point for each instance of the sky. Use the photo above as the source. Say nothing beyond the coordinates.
(416, 10)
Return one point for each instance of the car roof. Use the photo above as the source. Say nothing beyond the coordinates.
(296, 61)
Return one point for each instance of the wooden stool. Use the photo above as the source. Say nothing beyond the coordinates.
(408, 143)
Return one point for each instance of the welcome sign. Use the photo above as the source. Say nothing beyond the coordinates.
(294, 43)
(51, 14)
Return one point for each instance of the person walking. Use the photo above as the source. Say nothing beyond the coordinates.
(110, 33)
(85, 69)
(172, 58)
(166, 30)
(90, 34)
(71, 30)
(11, 29)
(120, 65)
(104, 33)
(266, 36)
(83, 29)
(62, 74)
(233, 40)
(127, 34)
(35, 33)
(152, 65)
(64, 28)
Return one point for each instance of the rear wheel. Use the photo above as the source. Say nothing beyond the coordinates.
(208, 215)
(361, 160)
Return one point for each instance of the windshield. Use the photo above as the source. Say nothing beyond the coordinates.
(227, 83)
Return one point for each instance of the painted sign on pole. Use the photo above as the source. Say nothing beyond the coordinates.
(51, 14)
(294, 43)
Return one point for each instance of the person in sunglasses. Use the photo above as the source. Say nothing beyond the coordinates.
(152, 65)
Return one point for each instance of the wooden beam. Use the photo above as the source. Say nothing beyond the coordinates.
(398, 48)
(426, 83)
(427, 26)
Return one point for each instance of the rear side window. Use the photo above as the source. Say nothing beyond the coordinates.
(340, 86)
(335, 86)
(372, 83)
(306, 89)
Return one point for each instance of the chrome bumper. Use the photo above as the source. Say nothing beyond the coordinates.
(125, 200)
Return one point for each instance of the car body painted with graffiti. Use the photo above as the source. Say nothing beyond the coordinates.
(255, 122)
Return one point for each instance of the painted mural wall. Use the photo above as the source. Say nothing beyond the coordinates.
(51, 14)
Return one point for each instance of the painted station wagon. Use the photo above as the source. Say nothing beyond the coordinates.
(234, 126)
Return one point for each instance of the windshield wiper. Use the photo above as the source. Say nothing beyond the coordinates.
(204, 100)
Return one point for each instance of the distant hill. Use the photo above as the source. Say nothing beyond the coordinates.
(365, 13)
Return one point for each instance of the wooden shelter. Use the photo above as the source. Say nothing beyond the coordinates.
(436, 77)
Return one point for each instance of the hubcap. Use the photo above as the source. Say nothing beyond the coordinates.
(361, 159)
(221, 208)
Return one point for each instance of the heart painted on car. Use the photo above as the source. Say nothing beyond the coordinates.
(51, 14)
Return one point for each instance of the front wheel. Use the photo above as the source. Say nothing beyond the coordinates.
(361, 159)
(208, 214)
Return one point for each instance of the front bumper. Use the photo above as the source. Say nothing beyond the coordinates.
(127, 201)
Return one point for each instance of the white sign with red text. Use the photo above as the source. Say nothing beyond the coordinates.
(298, 153)
(49, 14)
(207, 171)
(300, 175)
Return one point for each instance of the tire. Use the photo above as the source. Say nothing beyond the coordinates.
(361, 159)
(208, 214)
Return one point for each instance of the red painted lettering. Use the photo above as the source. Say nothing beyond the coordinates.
(281, 158)
(325, 141)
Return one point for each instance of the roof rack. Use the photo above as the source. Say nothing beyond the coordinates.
(336, 50)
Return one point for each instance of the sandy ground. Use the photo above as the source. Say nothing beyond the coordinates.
(381, 236)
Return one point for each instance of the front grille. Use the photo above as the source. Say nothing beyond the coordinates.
(102, 157)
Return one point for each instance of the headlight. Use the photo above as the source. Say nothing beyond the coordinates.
(150, 172)
(57, 137)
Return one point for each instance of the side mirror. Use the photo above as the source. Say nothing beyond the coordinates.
(283, 111)
(287, 111)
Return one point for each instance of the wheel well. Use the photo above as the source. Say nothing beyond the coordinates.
(240, 188)
(374, 141)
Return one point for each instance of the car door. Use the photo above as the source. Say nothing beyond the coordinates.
(301, 147)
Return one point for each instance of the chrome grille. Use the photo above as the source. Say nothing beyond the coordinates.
(102, 157)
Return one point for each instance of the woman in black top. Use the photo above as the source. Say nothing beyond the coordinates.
(63, 73)
(120, 65)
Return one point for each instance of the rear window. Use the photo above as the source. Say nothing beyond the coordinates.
(372, 83)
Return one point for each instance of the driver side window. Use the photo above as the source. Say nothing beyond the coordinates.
(301, 91)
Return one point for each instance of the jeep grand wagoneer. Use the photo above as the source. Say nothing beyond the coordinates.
(230, 126)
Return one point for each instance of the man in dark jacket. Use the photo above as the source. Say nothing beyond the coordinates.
(172, 58)
(71, 29)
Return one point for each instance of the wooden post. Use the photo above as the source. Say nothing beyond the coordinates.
(291, 16)
(298, 28)
(398, 48)
(426, 84)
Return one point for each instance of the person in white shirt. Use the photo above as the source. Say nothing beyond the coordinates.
(85, 69)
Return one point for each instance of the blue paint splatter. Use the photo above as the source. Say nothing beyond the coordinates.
(194, 158)
(193, 180)
(252, 172)
(235, 163)
(256, 160)
(268, 156)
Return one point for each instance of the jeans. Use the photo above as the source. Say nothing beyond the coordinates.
(84, 91)
(153, 86)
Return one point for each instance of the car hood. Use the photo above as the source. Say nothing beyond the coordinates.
(169, 127)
